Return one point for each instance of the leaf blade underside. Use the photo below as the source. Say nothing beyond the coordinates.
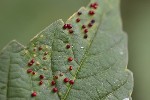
(99, 62)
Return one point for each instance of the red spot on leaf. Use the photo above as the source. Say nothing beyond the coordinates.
(29, 70)
(41, 76)
(34, 94)
(30, 64)
(69, 26)
(90, 25)
(83, 26)
(71, 31)
(40, 48)
(70, 68)
(71, 82)
(94, 5)
(86, 30)
(91, 12)
(66, 80)
(65, 26)
(32, 61)
(55, 90)
(56, 77)
(46, 53)
(41, 82)
(53, 83)
(78, 20)
(70, 59)
(33, 73)
(68, 46)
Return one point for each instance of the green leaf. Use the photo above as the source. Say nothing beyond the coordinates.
(99, 61)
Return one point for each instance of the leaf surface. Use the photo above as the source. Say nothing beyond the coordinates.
(98, 62)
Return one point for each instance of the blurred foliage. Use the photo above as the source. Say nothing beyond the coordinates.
(22, 19)
(136, 19)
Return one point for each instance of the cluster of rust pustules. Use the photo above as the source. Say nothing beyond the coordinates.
(41, 77)
(91, 12)
(68, 27)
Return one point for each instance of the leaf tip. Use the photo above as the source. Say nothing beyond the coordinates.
(13, 46)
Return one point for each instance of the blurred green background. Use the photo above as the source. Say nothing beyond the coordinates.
(22, 19)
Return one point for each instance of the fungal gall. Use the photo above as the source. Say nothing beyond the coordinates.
(56, 77)
(44, 58)
(85, 36)
(79, 13)
(70, 31)
(66, 80)
(71, 82)
(90, 25)
(61, 74)
(41, 76)
(33, 94)
(92, 21)
(86, 30)
(40, 48)
(83, 26)
(53, 83)
(30, 64)
(69, 26)
(41, 82)
(91, 12)
(65, 26)
(46, 53)
(94, 5)
(78, 20)
(70, 68)
(68, 46)
(55, 90)
(32, 61)
(33, 73)
(70, 59)
(29, 70)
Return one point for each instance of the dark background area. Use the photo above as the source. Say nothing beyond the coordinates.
(22, 19)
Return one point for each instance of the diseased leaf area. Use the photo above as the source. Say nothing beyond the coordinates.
(82, 59)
